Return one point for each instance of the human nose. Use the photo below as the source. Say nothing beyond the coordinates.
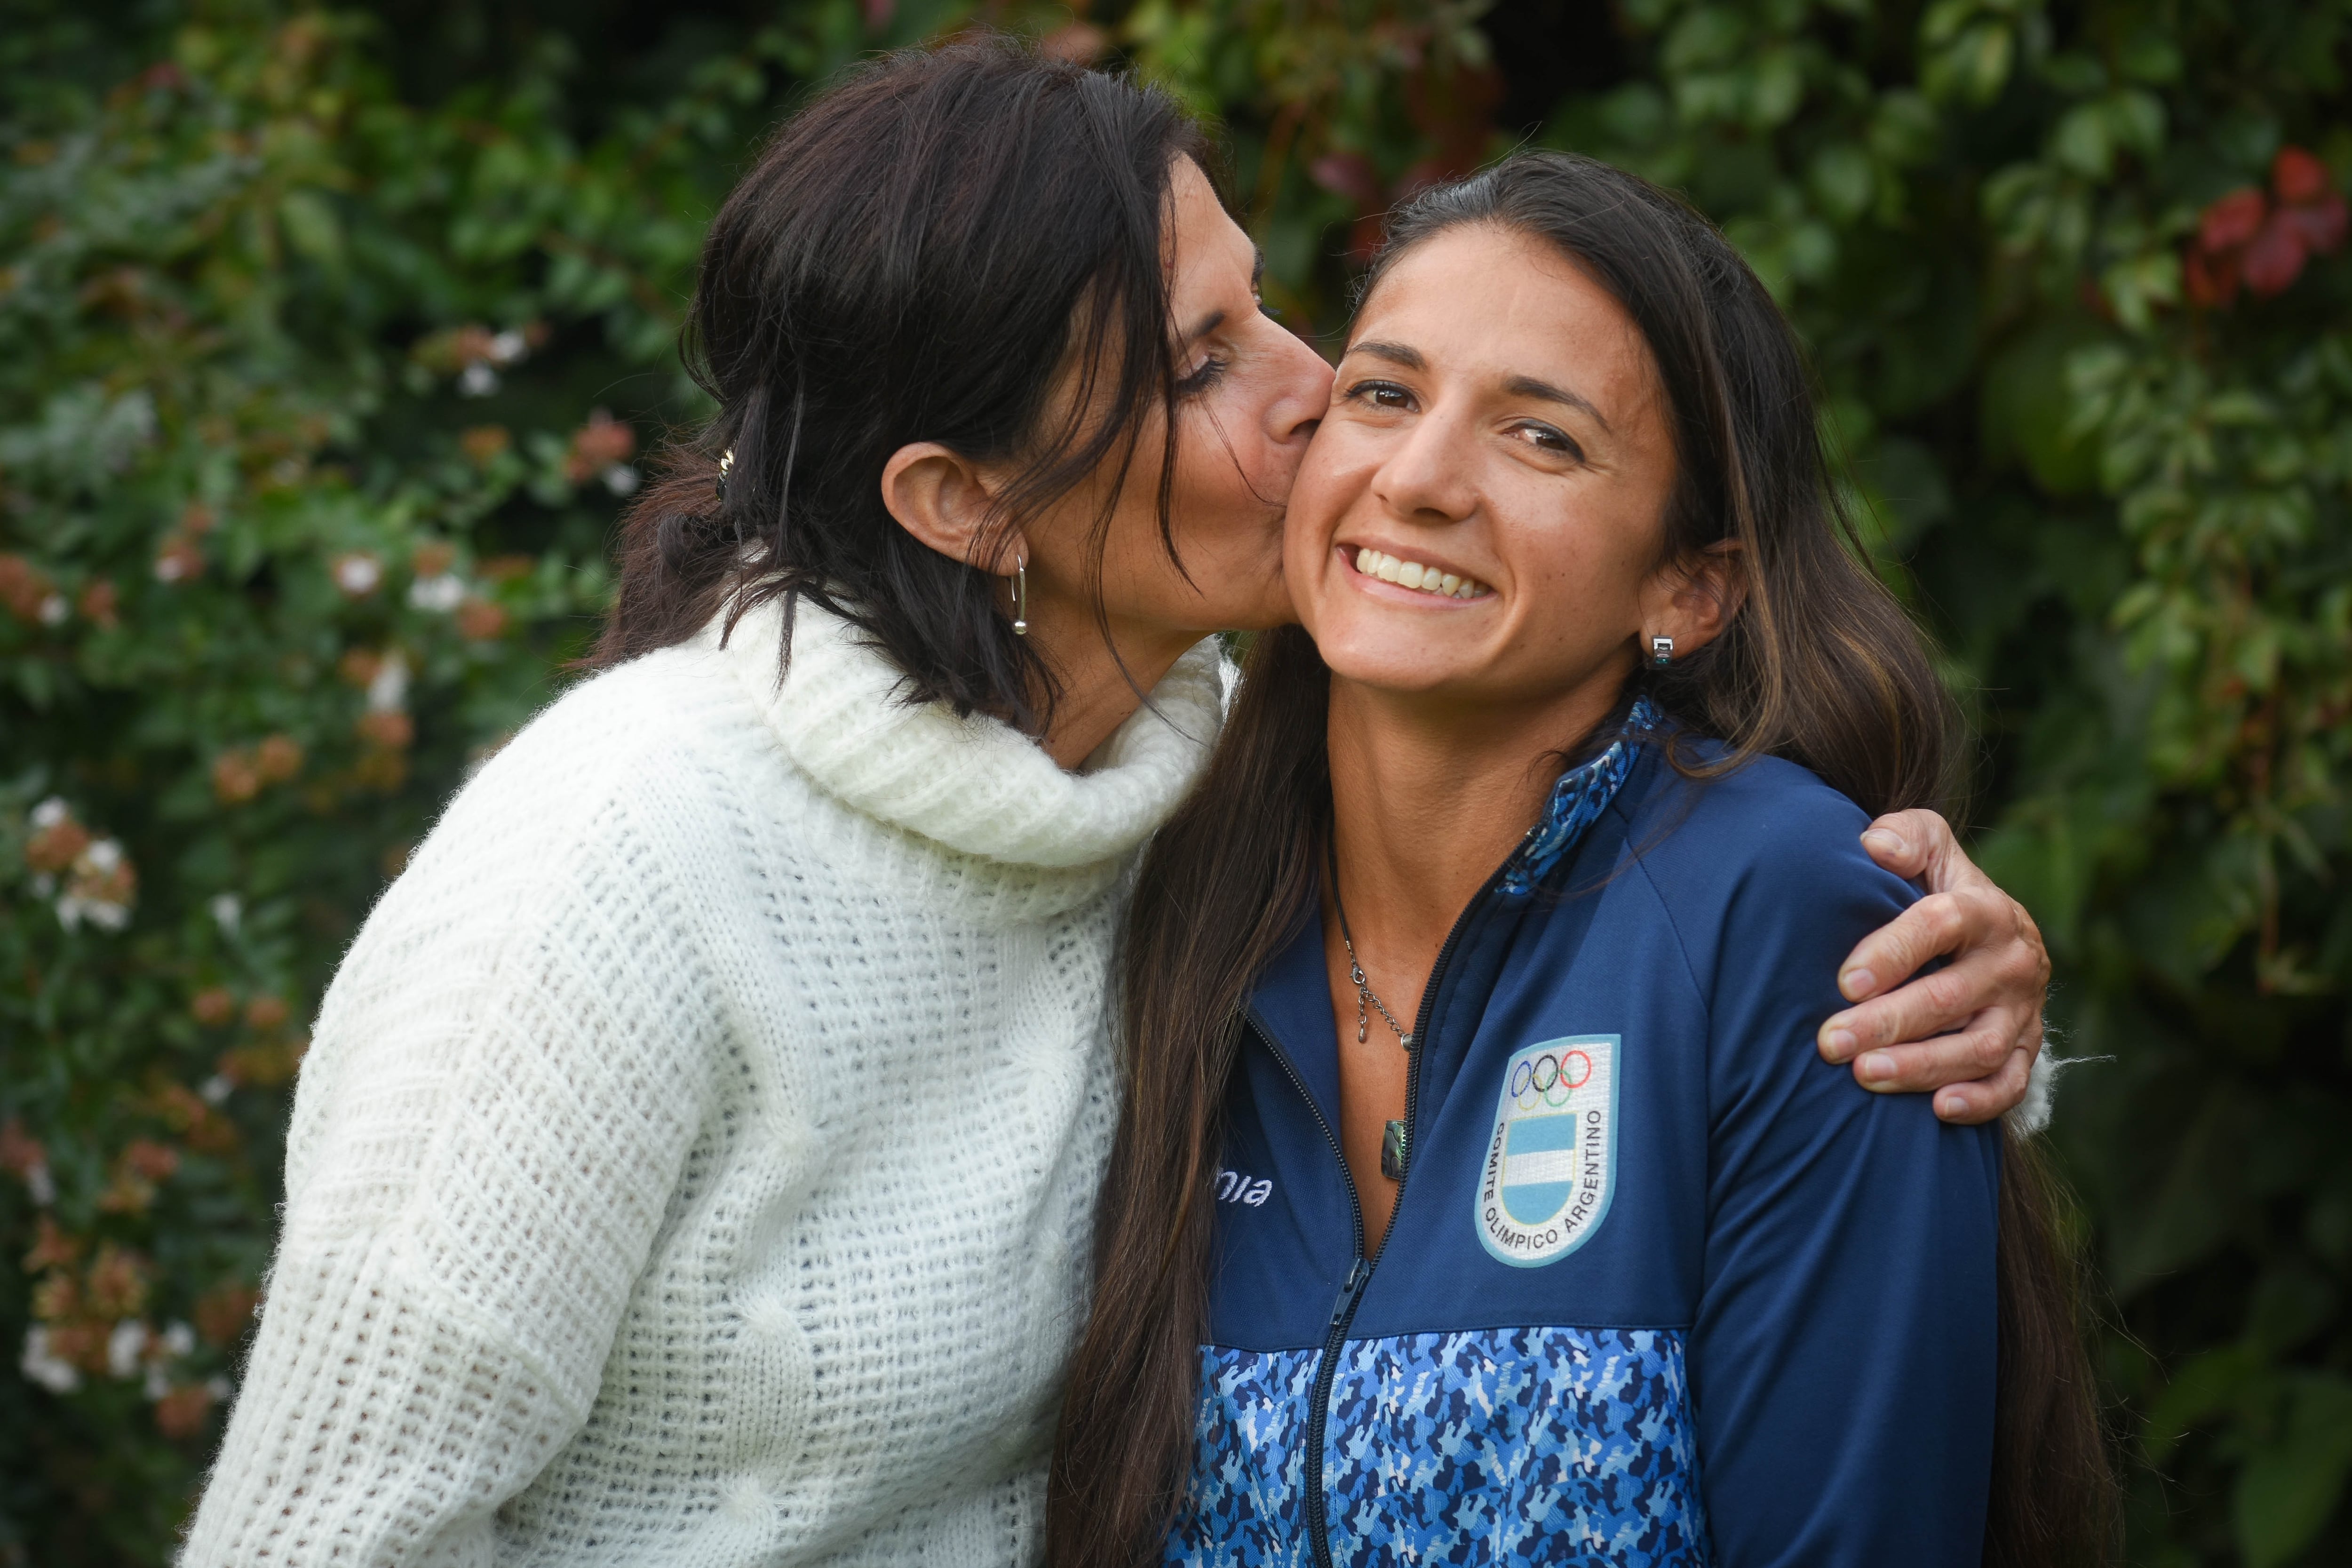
(1424, 476)
(1306, 391)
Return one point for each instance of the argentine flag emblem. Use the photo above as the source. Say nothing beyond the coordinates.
(1551, 1163)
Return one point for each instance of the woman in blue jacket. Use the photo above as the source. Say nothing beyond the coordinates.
(1480, 1197)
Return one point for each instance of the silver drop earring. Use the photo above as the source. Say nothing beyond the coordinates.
(1021, 598)
(1662, 650)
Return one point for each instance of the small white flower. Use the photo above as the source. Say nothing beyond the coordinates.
(51, 812)
(507, 347)
(179, 1340)
(477, 380)
(215, 1089)
(123, 1345)
(227, 910)
(54, 610)
(170, 567)
(440, 594)
(388, 691)
(357, 574)
(621, 479)
(40, 1367)
(103, 856)
(218, 1387)
(159, 1382)
(40, 1185)
(73, 909)
(44, 885)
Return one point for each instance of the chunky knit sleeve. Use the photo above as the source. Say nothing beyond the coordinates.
(507, 1077)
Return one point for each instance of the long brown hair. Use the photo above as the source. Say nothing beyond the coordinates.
(1819, 666)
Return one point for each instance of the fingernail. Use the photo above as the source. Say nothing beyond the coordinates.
(1856, 984)
(1840, 1043)
(1887, 839)
(1875, 1068)
(1951, 1105)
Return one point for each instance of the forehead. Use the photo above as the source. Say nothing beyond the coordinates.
(1209, 252)
(1487, 303)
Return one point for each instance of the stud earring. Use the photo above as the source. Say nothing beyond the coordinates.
(1662, 650)
(1021, 598)
(726, 467)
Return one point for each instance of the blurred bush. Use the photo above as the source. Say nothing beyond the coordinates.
(330, 340)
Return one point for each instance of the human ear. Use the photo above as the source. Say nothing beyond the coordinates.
(946, 502)
(1692, 599)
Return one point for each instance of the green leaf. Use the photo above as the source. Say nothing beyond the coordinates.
(2291, 1485)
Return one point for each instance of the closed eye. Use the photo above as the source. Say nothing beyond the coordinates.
(1206, 374)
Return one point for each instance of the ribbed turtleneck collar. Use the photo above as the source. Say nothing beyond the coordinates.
(973, 784)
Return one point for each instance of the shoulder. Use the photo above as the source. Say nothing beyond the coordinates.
(1758, 867)
(660, 739)
(1766, 821)
(633, 786)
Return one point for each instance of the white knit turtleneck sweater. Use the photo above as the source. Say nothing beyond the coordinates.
(694, 1158)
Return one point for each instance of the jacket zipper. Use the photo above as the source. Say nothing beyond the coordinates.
(1359, 1273)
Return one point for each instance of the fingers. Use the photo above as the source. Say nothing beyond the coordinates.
(1936, 924)
(1912, 843)
(1970, 1104)
(1995, 988)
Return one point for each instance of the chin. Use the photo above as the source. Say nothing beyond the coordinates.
(1390, 659)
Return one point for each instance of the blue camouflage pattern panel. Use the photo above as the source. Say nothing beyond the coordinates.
(1245, 1507)
(1576, 802)
(1506, 1446)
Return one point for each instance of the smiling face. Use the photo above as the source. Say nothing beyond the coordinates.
(1481, 516)
(1250, 394)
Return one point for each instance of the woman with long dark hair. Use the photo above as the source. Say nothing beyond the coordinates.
(694, 1161)
(1479, 1195)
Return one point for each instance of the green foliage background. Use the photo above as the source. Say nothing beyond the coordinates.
(330, 338)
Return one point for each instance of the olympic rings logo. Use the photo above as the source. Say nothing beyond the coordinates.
(1549, 1078)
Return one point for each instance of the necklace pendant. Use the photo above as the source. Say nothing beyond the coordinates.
(1392, 1151)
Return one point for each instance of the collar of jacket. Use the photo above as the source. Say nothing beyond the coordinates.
(973, 785)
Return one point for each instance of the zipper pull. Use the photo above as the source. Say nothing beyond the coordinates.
(1357, 1274)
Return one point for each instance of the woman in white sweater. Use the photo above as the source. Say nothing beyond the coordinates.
(695, 1159)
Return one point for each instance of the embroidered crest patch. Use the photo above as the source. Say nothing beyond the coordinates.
(1551, 1163)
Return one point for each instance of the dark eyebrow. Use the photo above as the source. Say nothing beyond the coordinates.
(1528, 387)
(1395, 353)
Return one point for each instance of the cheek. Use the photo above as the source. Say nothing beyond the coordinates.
(1218, 507)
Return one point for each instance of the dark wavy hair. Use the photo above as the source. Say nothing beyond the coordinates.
(923, 253)
(1819, 665)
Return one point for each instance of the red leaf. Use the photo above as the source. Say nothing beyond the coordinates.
(2321, 222)
(2232, 221)
(2298, 176)
(2275, 259)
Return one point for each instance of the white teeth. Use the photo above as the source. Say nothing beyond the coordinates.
(1414, 575)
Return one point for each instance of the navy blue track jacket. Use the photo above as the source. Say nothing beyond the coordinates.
(1662, 1287)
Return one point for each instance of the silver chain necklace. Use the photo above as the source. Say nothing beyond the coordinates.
(1364, 992)
(1395, 1137)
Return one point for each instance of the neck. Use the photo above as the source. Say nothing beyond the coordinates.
(1428, 798)
(1100, 689)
